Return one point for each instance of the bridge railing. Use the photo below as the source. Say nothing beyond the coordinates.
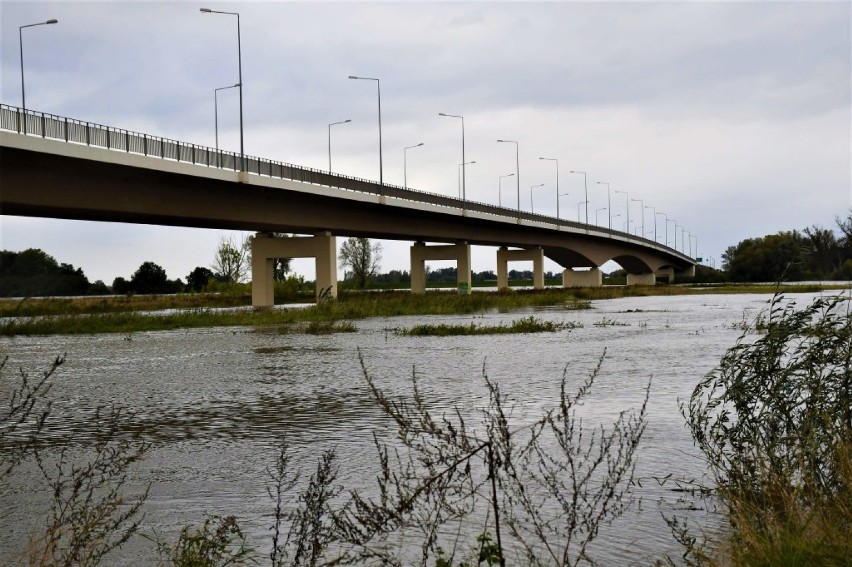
(45, 125)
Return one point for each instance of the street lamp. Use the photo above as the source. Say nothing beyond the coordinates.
(626, 207)
(667, 226)
(586, 187)
(578, 209)
(21, 44)
(642, 208)
(614, 217)
(461, 176)
(517, 169)
(240, 83)
(347, 121)
(608, 202)
(216, 118)
(379, 91)
(532, 209)
(655, 220)
(500, 187)
(555, 160)
(464, 184)
(405, 162)
(597, 223)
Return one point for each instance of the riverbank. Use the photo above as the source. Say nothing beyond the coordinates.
(132, 313)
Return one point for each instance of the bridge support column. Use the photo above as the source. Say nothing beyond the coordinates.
(265, 247)
(667, 273)
(581, 278)
(458, 252)
(687, 273)
(641, 279)
(504, 256)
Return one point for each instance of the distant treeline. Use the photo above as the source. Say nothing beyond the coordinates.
(34, 273)
(814, 253)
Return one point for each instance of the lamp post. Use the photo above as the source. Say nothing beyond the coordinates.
(597, 223)
(666, 225)
(626, 207)
(216, 118)
(405, 163)
(461, 176)
(240, 81)
(614, 217)
(642, 208)
(586, 188)
(517, 169)
(655, 220)
(21, 44)
(578, 209)
(556, 161)
(608, 202)
(500, 188)
(532, 209)
(379, 91)
(463, 183)
(329, 139)
(695, 236)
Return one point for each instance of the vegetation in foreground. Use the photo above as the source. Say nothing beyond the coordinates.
(774, 422)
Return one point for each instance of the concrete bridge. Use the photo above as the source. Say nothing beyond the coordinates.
(57, 167)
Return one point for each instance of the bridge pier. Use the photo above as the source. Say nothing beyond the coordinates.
(667, 273)
(458, 252)
(687, 273)
(265, 247)
(641, 279)
(581, 278)
(504, 256)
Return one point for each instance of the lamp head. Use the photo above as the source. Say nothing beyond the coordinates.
(52, 21)
(205, 10)
(353, 77)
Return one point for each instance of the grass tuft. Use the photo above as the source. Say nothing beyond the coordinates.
(525, 325)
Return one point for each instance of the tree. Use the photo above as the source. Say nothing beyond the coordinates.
(150, 278)
(35, 273)
(232, 260)
(198, 278)
(361, 258)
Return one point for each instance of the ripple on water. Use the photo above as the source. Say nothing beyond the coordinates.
(215, 403)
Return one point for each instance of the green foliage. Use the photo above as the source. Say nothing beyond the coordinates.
(815, 253)
(151, 278)
(33, 273)
(524, 325)
(361, 258)
(774, 422)
(218, 542)
(198, 278)
(232, 259)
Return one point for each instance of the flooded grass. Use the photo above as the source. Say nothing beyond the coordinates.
(525, 325)
(128, 314)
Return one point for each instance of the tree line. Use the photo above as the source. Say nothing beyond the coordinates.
(814, 253)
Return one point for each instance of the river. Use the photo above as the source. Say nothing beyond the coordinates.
(215, 403)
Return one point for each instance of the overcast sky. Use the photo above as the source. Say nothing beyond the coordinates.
(732, 118)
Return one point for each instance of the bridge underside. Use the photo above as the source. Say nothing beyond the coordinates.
(83, 183)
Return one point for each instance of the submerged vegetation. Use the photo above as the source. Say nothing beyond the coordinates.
(127, 314)
(525, 325)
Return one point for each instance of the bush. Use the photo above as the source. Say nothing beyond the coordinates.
(774, 422)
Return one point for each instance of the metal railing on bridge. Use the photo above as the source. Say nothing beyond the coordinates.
(71, 130)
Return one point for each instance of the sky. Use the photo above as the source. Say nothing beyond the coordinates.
(732, 118)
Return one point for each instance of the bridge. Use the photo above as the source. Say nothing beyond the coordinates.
(58, 167)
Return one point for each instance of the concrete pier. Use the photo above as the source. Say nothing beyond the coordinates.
(582, 278)
(504, 256)
(265, 247)
(458, 252)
